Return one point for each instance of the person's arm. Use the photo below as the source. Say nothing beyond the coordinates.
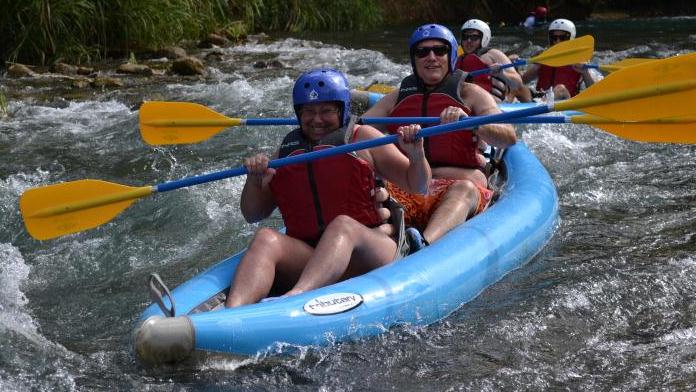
(585, 73)
(532, 73)
(383, 107)
(496, 58)
(517, 88)
(410, 172)
(256, 202)
(482, 104)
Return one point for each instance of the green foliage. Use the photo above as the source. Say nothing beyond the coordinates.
(42, 31)
(4, 112)
(296, 15)
(235, 29)
(128, 25)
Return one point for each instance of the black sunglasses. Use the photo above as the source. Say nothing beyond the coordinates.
(471, 37)
(559, 37)
(423, 51)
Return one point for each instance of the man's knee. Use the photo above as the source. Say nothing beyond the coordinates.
(266, 238)
(462, 189)
(561, 92)
(343, 224)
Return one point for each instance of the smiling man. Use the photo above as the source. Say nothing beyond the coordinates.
(436, 88)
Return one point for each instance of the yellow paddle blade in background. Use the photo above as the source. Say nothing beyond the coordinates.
(380, 88)
(661, 130)
(55, 210)
(574, 51)
(627, 62)
(656, 89)
(180, 122)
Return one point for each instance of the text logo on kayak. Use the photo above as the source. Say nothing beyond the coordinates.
(332, 303)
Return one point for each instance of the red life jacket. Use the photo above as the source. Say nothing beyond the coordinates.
(310, 195)
(472, 62)
(458, 148)
(552, 76)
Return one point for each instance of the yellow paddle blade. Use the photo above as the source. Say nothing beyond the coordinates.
(180, 122)
(574, 51)
(661, 130)
(628, 62)
(656, 89)
(380, 88)
(55, 210)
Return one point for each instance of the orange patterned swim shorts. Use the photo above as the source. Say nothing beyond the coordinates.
(419, 208)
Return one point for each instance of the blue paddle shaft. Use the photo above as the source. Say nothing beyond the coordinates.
(516, 63)
(271, 121)
(467, 123)
(433, 120)
(484, 71)
(406, 120)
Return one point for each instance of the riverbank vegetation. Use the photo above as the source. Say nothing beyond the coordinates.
(45, 31)
(42, 31)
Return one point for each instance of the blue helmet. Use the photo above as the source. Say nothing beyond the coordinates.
(434, 31)
(322, 85)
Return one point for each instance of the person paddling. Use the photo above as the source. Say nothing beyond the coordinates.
(565, 81)
(475, 37)
(327, 205)
(437, 88)
(535, 18)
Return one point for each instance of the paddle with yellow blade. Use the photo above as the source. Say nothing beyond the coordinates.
(182, 123)
(185, 123)
(665, 130)
(637, 93)
(186, 129)
(384, 89)
(164, 123)
(574, 51)
(627, 62)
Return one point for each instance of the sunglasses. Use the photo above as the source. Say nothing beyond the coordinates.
(424, 51)
(559, 37)
(471, 37)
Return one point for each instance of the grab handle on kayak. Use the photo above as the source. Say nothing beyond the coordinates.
(157, 287)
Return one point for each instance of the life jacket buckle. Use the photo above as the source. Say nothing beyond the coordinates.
(158, 290)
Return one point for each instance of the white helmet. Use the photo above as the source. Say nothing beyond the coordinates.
(476, 24)
(563, 25)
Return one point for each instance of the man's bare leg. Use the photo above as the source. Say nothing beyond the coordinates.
(458, 203)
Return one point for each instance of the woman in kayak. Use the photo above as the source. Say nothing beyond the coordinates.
(327, 205)
(437, 88)
(566, 80)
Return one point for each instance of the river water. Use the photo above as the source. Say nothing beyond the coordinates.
(608, 305)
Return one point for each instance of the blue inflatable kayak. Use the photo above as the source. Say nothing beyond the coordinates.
(420, 289)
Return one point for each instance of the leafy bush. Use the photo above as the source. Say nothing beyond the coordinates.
(41, 31)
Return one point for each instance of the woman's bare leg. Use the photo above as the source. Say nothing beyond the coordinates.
(345, 243)
(270, 253)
